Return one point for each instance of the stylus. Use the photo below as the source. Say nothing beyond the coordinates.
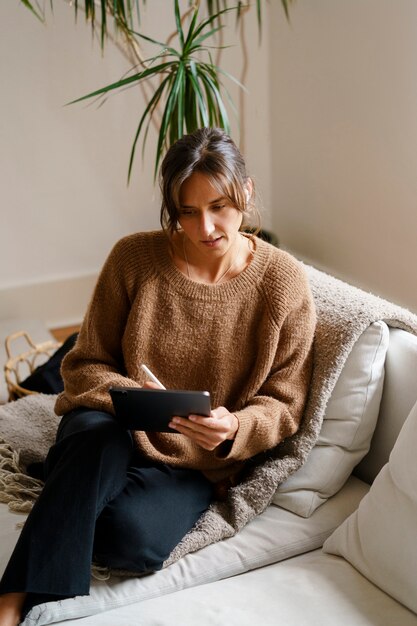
(152, 376)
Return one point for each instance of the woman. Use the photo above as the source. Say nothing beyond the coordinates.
(205, 306)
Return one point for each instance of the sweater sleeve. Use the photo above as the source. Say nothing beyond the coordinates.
(275, 411)
(96, 361)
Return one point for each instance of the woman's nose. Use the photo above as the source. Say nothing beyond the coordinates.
(206, 225)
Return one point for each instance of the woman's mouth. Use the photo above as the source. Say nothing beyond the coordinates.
(211, 243)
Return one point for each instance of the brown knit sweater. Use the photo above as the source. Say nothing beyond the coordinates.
(248, 341)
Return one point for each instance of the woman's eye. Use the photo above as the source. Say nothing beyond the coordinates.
(218, 207)
(186, 212)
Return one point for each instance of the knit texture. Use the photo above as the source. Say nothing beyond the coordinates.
(343, 313)
(247, 341)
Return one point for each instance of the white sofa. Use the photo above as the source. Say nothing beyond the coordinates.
(276, 571)
(316, 587)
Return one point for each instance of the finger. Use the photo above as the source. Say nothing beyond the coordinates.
(185, 425)
(206, 439)
(199, 434)
(150, 385)
(198, 423)
(206, 422)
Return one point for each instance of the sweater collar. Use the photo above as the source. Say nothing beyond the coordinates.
(177, 281)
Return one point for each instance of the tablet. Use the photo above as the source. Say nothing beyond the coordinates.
(152, 409)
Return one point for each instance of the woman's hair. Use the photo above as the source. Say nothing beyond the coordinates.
(209, 151)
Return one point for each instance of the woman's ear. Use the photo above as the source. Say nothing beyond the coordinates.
(248, 189)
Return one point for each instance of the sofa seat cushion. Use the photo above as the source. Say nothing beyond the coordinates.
(313, 589)
(379, 539)
(273, 536)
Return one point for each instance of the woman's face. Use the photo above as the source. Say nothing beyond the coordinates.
(207, 218)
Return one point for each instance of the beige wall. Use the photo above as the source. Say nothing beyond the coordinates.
(344, 126)
(330, 136)
(63, 169)
(64, 194)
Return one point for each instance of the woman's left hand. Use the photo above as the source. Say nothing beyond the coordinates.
(208, 432)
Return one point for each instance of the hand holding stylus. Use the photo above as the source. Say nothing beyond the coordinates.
(207, 432)
(152, 376)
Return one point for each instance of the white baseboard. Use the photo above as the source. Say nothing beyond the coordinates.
(57, 303)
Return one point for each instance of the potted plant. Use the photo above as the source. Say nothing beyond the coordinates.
(187, 89)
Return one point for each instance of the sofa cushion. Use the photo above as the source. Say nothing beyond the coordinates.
(275, 535)
(313, 589)
(348, 425)
(398, 398)
(379, 539)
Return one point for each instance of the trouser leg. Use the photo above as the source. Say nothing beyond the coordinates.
(143, 511)
(159, 504)
(85, 469)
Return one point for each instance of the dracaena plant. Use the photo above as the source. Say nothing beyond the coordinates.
(189, 91)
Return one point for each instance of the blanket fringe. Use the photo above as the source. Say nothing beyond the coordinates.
(18, 490)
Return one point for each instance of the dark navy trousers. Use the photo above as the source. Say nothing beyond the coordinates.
(101, 501)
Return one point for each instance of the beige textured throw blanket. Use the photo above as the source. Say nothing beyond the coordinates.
(344, 312)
